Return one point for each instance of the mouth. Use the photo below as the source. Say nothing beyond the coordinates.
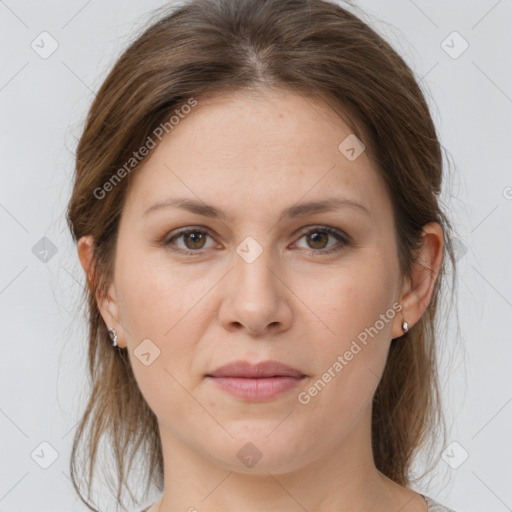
(256, 382)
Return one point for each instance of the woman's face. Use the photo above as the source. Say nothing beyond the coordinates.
(316, 288)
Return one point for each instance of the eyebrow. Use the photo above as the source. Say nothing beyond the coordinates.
(297, 210)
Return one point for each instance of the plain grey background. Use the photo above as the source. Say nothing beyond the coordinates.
(461, 53)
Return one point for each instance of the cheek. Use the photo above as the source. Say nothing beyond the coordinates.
(358, 307)
(157, 306)
(166, 304)
(157, 297)
(353, 301)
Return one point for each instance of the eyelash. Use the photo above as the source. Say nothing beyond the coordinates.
(333, 232)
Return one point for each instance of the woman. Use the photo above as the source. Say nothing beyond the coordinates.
(256, 210)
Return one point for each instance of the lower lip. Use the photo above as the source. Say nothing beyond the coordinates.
(256, 389)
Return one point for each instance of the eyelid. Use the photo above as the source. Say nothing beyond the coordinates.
(323, 227)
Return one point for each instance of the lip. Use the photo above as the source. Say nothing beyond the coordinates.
(256, 382)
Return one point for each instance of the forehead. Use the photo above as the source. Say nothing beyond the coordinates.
(251, 121)
(275, 146)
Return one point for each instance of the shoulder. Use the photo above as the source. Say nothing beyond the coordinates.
(434, 506)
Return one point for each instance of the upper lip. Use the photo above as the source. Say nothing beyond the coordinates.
(255, 370)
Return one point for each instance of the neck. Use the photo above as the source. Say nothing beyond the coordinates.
(342, 477)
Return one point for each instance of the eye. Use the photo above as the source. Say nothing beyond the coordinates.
(194, 240)
(318, 237)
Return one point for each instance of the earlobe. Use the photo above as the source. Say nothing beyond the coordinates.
(107, 302)
(425, 271)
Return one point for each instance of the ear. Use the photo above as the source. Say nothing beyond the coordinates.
(417, 291)
(108, 305)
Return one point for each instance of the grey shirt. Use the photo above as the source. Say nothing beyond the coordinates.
(433, 506)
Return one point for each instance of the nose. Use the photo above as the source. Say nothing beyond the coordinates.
(255, 297)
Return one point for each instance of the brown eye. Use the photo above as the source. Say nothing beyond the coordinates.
(193, 241)
(317, 240)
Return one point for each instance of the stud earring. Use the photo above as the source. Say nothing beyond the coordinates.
(405, 326)
(113, 336)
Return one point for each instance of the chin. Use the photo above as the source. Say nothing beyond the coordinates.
(258, 450)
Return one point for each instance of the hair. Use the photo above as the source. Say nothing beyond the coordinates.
(206, 47)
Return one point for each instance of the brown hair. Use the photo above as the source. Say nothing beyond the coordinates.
(311, 47)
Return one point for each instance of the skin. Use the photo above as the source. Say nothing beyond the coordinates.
(253, 157)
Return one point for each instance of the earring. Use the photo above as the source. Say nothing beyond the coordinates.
(113, 336)
(405, 326)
